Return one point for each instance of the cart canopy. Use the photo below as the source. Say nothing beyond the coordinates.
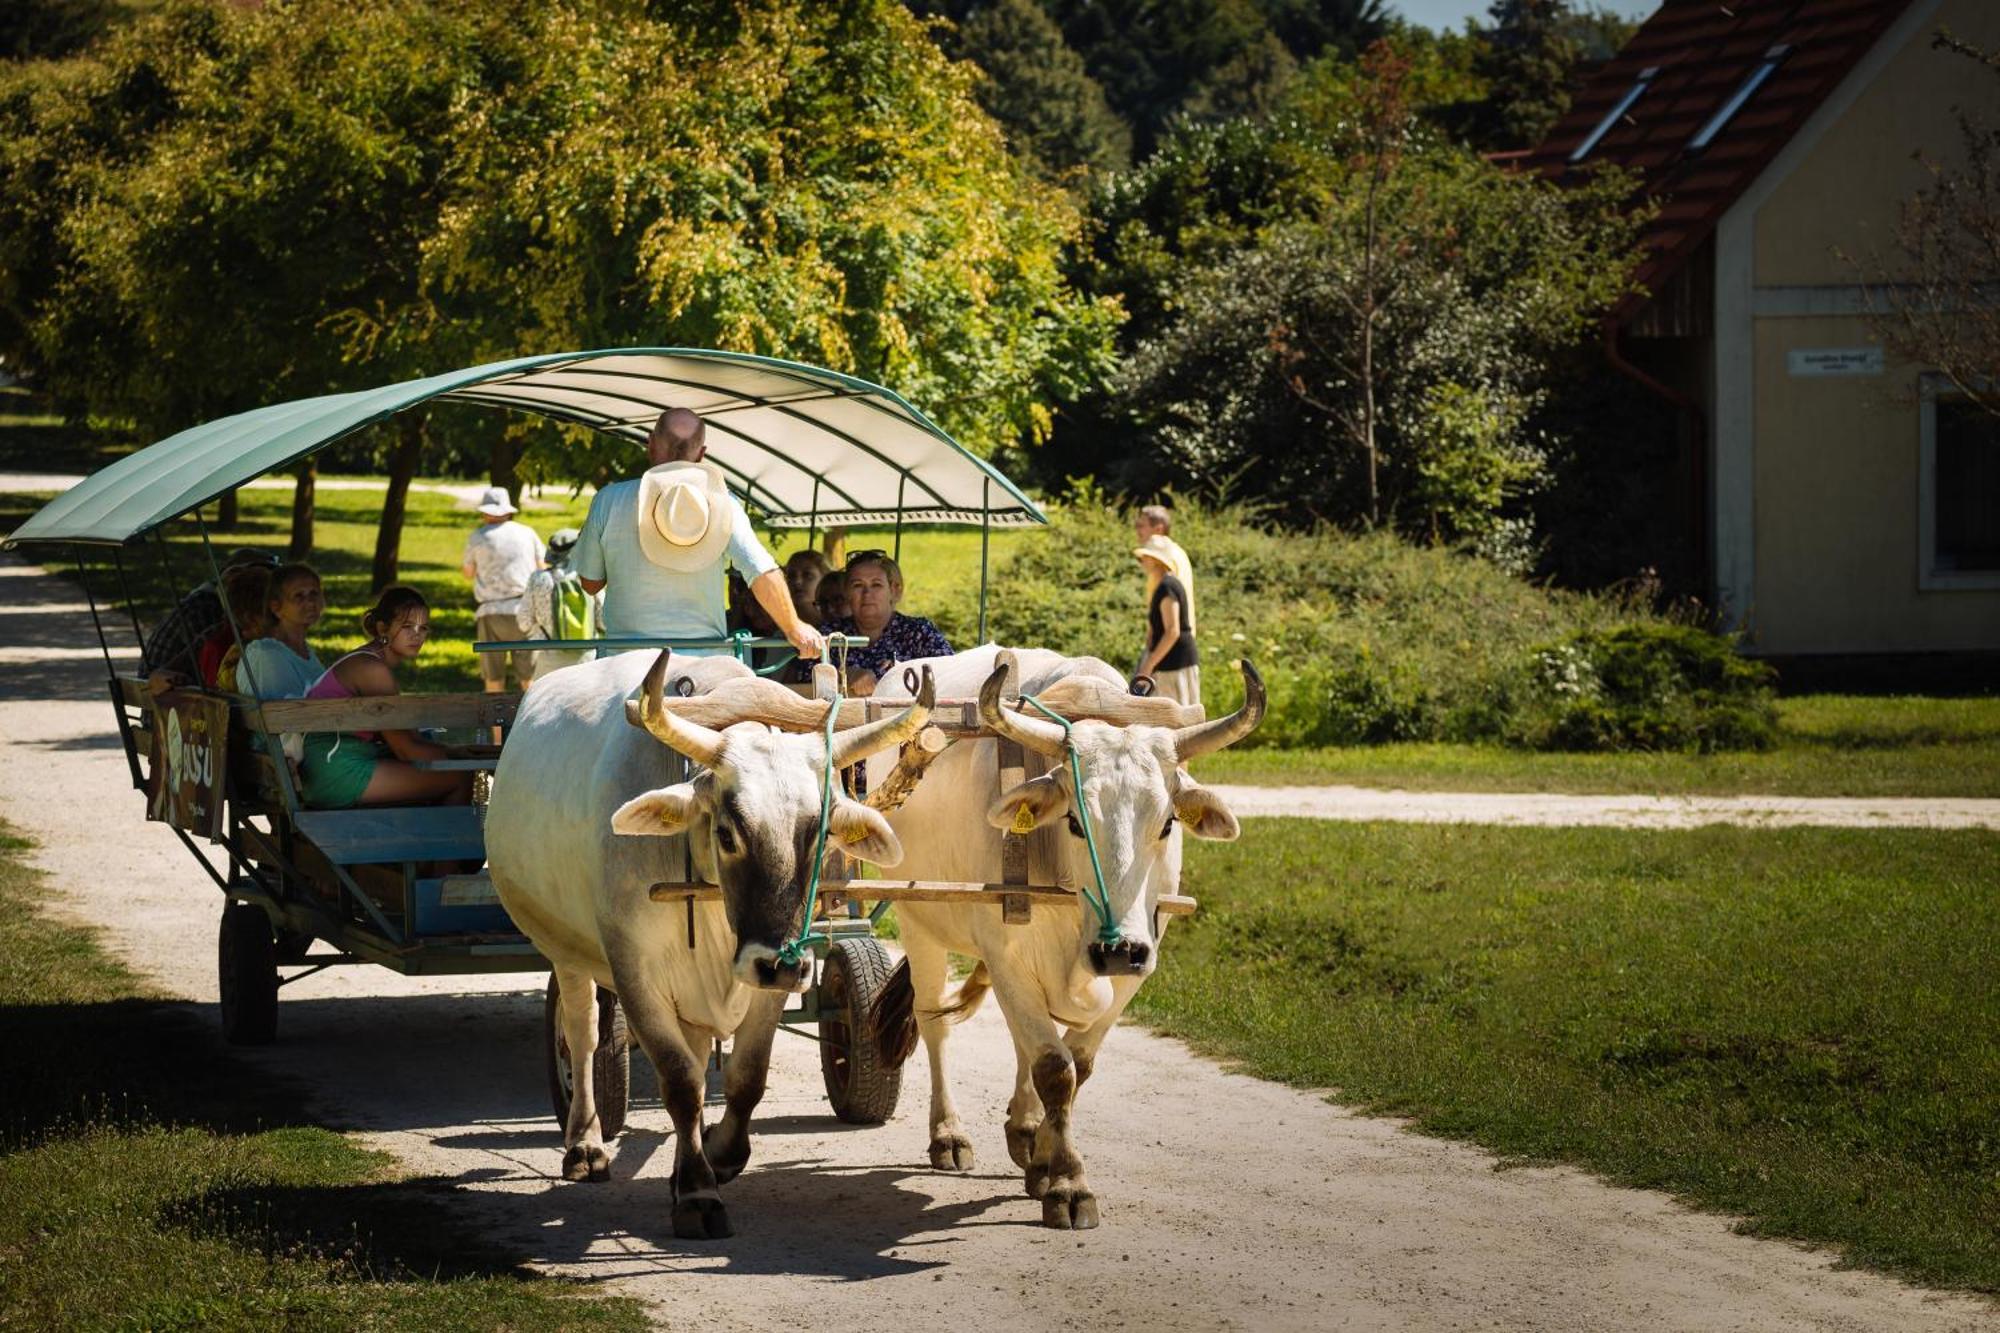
(801, 444)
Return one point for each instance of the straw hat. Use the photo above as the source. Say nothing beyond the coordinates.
(495, 503)
(1157, 548)
(684, 518)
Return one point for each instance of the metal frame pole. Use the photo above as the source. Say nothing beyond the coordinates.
(985, 538)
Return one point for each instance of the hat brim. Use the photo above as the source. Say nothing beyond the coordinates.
(494, 511)
(696, 556)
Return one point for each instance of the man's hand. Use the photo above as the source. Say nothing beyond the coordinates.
(809, 641)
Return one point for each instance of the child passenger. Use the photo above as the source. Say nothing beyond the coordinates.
(343, 769)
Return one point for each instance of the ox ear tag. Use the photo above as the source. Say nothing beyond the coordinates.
(858, 833)
(1024, 820)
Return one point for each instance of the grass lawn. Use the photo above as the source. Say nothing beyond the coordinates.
(147, 1180)
(1799, 1025)
(1829, 745)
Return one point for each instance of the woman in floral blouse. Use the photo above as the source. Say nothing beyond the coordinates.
(874, 587)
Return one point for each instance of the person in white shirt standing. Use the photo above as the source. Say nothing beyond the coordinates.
(499, 556)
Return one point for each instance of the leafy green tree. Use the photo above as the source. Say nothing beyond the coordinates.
(1377, 354)
(1035, 86)
(1530, 59)
(214, 208)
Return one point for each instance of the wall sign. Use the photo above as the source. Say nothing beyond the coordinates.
(1822, 362)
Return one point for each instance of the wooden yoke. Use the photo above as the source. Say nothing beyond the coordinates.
(911, 764)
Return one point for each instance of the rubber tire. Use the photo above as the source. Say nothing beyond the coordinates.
(861, 1090)
(611, 1066)
(247, 973)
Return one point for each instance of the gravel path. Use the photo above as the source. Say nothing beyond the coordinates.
(1228, 1202)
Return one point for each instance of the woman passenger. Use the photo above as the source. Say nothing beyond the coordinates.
(874, 589)
(804, 571)
(343, 769)
(281, 664)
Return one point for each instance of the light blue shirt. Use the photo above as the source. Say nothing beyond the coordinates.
(645, 600)
(270, 670)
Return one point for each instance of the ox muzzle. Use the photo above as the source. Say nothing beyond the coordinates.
(1127, 958)
(762, 967)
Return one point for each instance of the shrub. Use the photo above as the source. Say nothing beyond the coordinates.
(1365, 638)
(1650, 686)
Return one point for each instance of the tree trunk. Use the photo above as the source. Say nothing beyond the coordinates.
(1368, 359)
(225, 509)
(402, 466)
(503, 466)
(302, 511)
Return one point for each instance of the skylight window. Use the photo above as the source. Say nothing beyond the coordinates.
(1612, 117)
(1706, 134)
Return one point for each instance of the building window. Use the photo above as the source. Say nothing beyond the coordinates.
(1959, 524)
(1613, 116)
(1705, 136)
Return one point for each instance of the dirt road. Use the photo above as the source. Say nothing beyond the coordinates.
(1228, 1202)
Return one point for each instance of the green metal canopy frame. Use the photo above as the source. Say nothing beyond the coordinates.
(807, 447)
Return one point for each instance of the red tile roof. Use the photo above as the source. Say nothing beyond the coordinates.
(1704, 50)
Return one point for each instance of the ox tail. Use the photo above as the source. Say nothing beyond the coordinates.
(894, 1014)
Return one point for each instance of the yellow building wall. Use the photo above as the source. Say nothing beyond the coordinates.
(1836, 511)
(1846, 194)
(1837, 459)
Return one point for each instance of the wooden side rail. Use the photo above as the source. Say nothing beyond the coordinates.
(397, 711)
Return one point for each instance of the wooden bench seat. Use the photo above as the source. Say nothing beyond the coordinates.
(390, 834)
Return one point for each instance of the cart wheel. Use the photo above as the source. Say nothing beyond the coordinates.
(294, 945)
(861, 1090)
(611, 1066)
(247, 969)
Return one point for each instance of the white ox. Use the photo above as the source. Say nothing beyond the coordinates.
(579, 772)
(1060, 987)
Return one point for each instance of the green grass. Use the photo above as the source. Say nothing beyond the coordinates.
(1828, 745)
(148, 1180)
(1802, 1026)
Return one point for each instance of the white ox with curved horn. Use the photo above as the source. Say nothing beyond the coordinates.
(590, 762)
(1060, 986)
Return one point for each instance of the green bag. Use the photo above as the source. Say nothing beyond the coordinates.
(570, 607)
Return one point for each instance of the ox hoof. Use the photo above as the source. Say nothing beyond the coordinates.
(586, 1162)
(951, 1152)
(1069, 1208)
(1021, 1144)
(701, 1219)
(1038, 1180)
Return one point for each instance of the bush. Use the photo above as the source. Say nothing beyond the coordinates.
(1651, 686)
(1365, 638)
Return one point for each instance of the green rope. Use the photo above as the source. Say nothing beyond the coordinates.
(1107, 924)
(795, 948)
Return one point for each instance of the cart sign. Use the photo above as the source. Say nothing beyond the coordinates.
(185, 786)
(1825, 362)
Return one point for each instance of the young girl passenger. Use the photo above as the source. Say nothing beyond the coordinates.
(343, 769)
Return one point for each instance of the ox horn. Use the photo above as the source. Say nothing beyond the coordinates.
(1208, 737)
(859, 742)
(1032, 733)
(697, 742)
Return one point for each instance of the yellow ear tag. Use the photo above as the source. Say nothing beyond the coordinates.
(1024, 819)
(859, 833)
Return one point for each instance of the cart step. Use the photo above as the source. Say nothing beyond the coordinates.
(390, 835)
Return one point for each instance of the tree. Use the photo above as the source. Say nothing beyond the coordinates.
(1035, 86)
(1936, 302)
(1377, 355)
(1530, 57)
(214, 207)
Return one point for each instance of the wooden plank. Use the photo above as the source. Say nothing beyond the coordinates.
(390, 834)
(397, 711)
(1011, 772)
(958, 719)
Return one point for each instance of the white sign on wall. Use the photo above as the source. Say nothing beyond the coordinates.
(1816, 362)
